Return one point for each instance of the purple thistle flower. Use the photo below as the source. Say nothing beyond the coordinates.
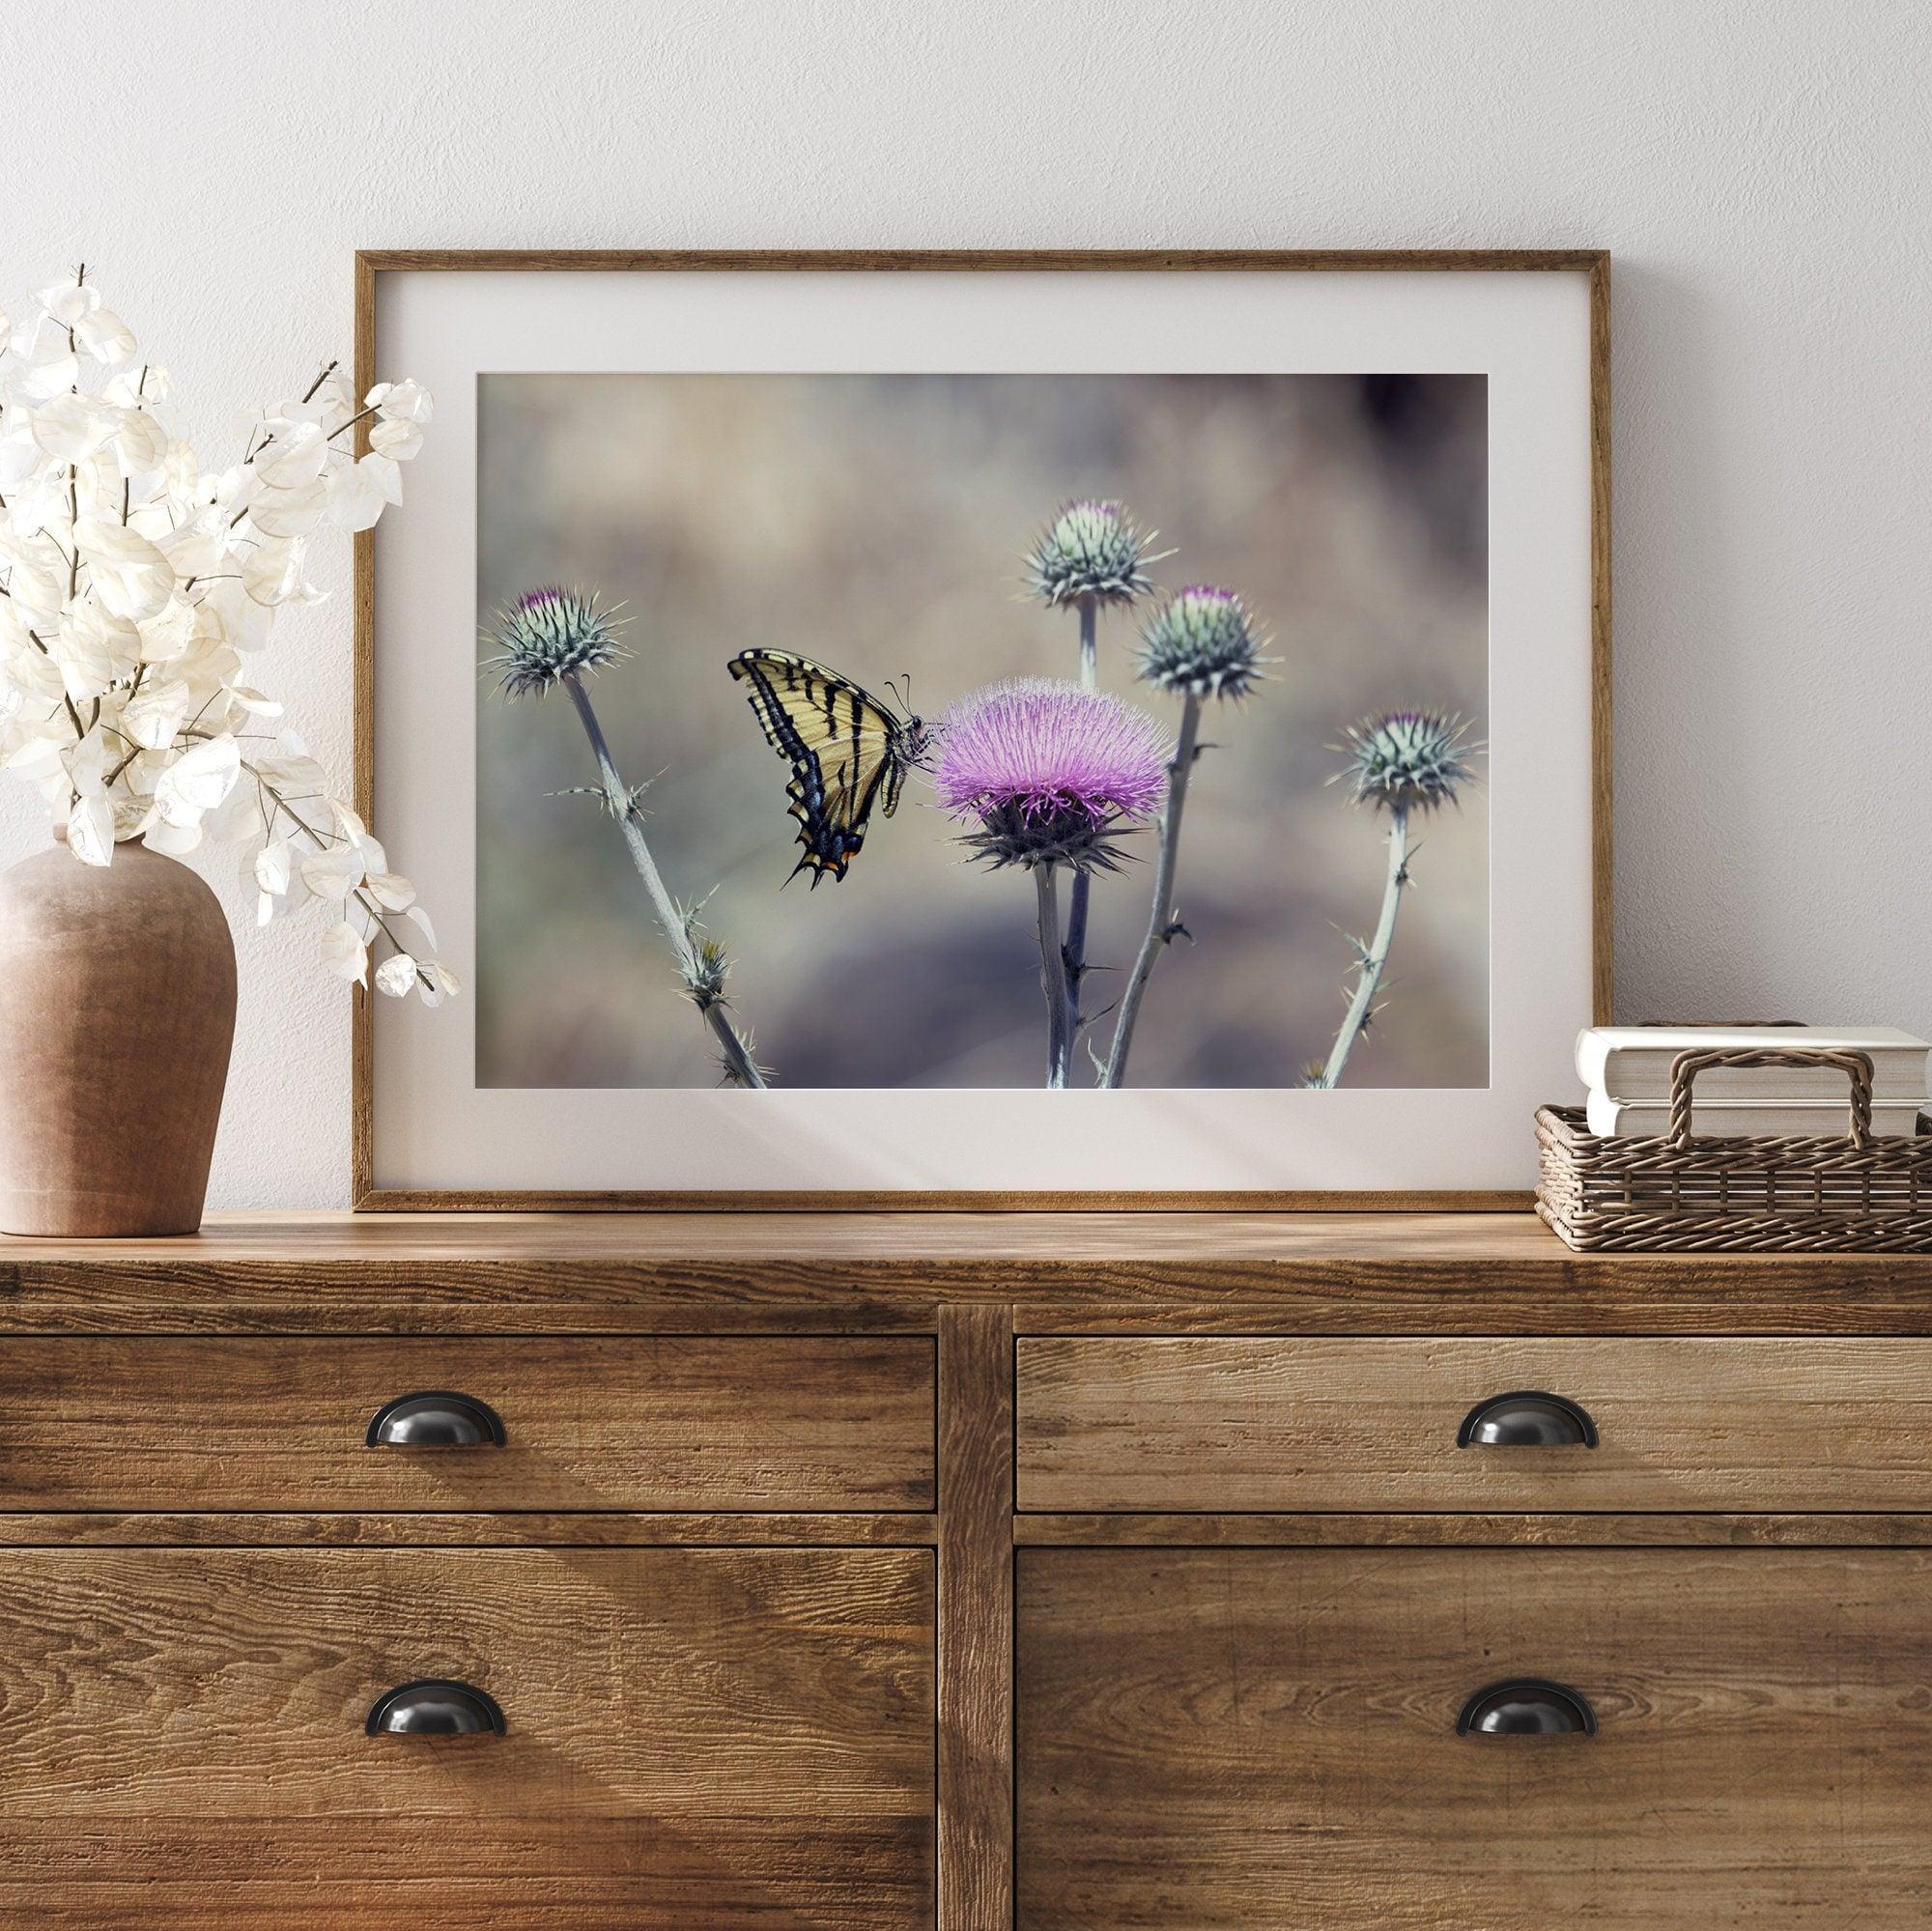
(1049, 770)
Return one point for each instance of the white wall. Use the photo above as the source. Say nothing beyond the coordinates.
(1761, 171)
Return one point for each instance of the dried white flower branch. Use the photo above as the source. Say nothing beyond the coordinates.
(133, 582)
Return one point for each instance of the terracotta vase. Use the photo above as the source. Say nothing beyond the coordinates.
(117, 1010)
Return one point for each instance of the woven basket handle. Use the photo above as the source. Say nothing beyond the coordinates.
(1686, 1067)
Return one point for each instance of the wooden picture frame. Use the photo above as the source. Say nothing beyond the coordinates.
(373, 265)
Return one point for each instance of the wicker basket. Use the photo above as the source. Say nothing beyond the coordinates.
(1849, 1194)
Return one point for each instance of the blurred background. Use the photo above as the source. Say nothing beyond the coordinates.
(879, 524)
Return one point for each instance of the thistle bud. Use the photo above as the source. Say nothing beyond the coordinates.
(1407, 761)
(1202, 643)
(1091, 549)
(548, 635)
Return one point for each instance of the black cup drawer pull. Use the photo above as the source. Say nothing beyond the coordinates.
(435, 1706)
(1527, 1706)
(436, 1418)
(1526, 1418)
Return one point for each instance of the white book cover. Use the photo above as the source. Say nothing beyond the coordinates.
(1644, 1120)
(1633, 1062)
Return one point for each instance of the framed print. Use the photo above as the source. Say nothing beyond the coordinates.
(989, 729)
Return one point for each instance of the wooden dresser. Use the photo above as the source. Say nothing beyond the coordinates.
(830, 1573)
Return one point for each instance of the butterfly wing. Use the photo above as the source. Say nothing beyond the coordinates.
(844, 749)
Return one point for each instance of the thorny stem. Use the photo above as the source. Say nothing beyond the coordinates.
(1161, 926)
(1369, 969)
(1053, 978)
(1074, 954)
(739, 1064)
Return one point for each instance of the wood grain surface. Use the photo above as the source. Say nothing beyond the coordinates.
(750, 1604)
(939, 1239)
(480, 1529)
(1435, 1530)
(1313, 1422)
(1173, 1273)
(543, 1528)
(1263, 1738)
(649, 1421)
(976, 1620)
(939, 261)
(731, 1740)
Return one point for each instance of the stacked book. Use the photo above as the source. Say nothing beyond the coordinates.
(1626, 1070)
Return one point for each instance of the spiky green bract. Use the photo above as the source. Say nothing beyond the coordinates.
(705, 965)
(548, 635)
(1091, 549)
(1202, 643)
(1008, 835)
(1407, 761)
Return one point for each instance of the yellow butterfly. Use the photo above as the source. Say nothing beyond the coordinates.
(847, 748)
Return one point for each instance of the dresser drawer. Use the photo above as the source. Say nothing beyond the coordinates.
(1267, 1738)
(633, 1422)
(1273, 1423)
(726, 1739)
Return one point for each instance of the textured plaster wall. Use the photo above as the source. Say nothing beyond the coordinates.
(1762, 172)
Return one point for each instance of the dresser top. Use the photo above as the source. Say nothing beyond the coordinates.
(632, 1272)
(1053, 1239)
